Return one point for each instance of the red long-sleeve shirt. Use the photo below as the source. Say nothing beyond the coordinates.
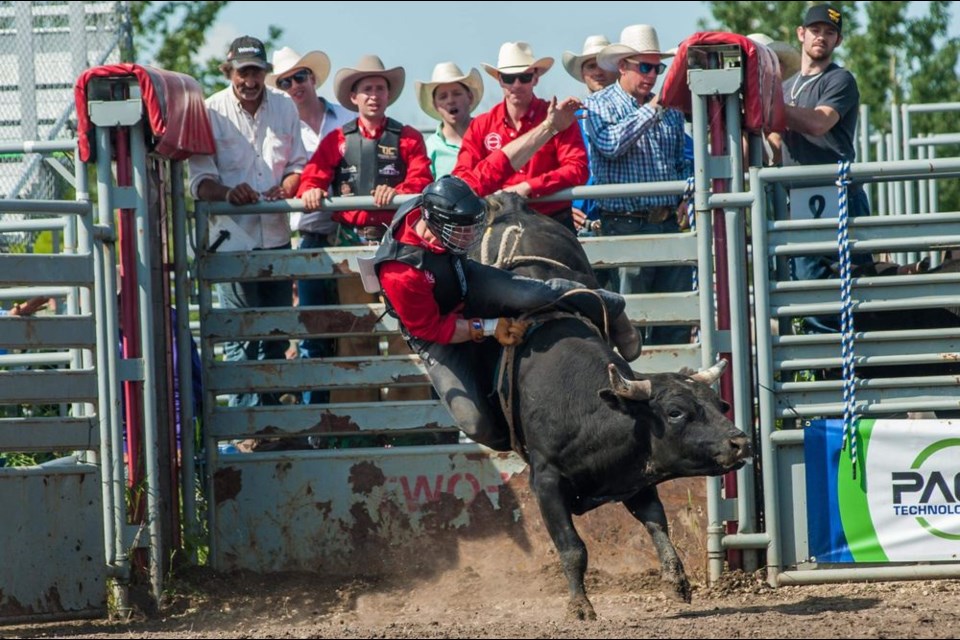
(322, 168)
(410, 290)
(560, 163)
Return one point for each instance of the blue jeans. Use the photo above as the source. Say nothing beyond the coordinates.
(821, 267)
(463, 387)
(244, 295)
(316, 292)
(651, 279)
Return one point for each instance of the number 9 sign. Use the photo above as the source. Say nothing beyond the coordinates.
(814, 203)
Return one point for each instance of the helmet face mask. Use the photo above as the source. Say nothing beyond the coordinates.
(454, 213)
(460, 239)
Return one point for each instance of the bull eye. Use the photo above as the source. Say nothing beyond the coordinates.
(724, 406)
(676, 414)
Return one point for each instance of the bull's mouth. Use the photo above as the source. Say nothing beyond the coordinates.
(735, 456)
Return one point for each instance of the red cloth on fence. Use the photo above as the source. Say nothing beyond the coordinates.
(177, 123)
(761, 92)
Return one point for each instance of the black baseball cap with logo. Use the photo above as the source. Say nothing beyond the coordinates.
(246, 51)
(824, 13)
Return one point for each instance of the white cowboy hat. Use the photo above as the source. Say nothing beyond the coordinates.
(637, 39)
(444, 73)
(286, 60)
(517, 57)
(369, 65)
(573, 62)
(789, 57)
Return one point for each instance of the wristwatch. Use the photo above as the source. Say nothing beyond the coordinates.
(476, 329)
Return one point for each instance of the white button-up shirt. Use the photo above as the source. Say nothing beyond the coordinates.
(334, 117)
(258, 149)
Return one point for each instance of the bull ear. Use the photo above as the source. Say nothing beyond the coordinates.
(711, 375)
(630, 389)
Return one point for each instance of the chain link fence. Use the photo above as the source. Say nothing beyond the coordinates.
(44, 46)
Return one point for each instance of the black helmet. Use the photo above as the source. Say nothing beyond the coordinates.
(454, 213)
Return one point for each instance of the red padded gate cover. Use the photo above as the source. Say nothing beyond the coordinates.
(762, 90)
(174, 107)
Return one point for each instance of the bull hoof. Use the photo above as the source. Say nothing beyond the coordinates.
(678, 591)
(580, 609)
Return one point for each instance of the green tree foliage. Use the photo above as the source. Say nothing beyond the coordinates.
(174, 32)
(898, 54)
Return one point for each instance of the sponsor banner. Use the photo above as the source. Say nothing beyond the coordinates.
(901, 505)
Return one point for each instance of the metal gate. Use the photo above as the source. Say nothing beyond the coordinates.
(53, 539)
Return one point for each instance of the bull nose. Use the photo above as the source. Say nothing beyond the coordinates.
(740, 446)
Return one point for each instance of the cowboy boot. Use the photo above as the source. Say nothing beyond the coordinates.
(623, 334)
(626, 338)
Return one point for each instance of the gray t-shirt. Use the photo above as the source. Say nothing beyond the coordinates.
(836, 88)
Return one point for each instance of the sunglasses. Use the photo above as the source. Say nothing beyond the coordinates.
(646, 67)
(510, 78)
(300, 76)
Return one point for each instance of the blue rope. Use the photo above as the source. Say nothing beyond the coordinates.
(846, 317)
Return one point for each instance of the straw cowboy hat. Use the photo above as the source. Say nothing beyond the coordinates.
(286, 60)
(444, 73)
(517, 57)
(573, 63)
(368, 65)
(789, 56)
(637, 39)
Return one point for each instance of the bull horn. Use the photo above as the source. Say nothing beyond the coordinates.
(630, 389)
(711, 375)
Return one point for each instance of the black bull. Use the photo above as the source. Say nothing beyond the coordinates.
(594, 431)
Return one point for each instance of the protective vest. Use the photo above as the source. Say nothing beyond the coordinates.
(450, 288)
(367, 163)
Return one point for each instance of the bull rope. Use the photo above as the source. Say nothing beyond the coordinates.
(846, 318)
(507, 255)
(506, 385)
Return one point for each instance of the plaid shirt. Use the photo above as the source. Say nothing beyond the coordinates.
(630, 143)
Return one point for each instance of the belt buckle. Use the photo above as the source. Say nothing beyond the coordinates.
(657, 215)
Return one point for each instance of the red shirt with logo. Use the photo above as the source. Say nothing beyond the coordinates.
(322, 168)
(559, 164)
(410, 290)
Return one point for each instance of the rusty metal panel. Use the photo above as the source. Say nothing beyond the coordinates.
(664, 308)
(47, 332)
(279, 264)
(330, 373)
(53, 557)
(61, 270)
(668, 358)
(297, 322)
(48, 387)
(237, 422)
(653, 249)
(350, 511)
(49, 434)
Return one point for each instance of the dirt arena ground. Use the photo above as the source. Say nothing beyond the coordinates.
(479, 602)
(501, 579)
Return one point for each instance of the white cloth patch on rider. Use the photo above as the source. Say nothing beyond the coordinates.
(368, 275)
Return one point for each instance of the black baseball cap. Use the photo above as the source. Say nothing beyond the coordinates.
(246, 51)
(824, 13)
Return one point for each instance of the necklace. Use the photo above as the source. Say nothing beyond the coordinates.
(796, 91)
